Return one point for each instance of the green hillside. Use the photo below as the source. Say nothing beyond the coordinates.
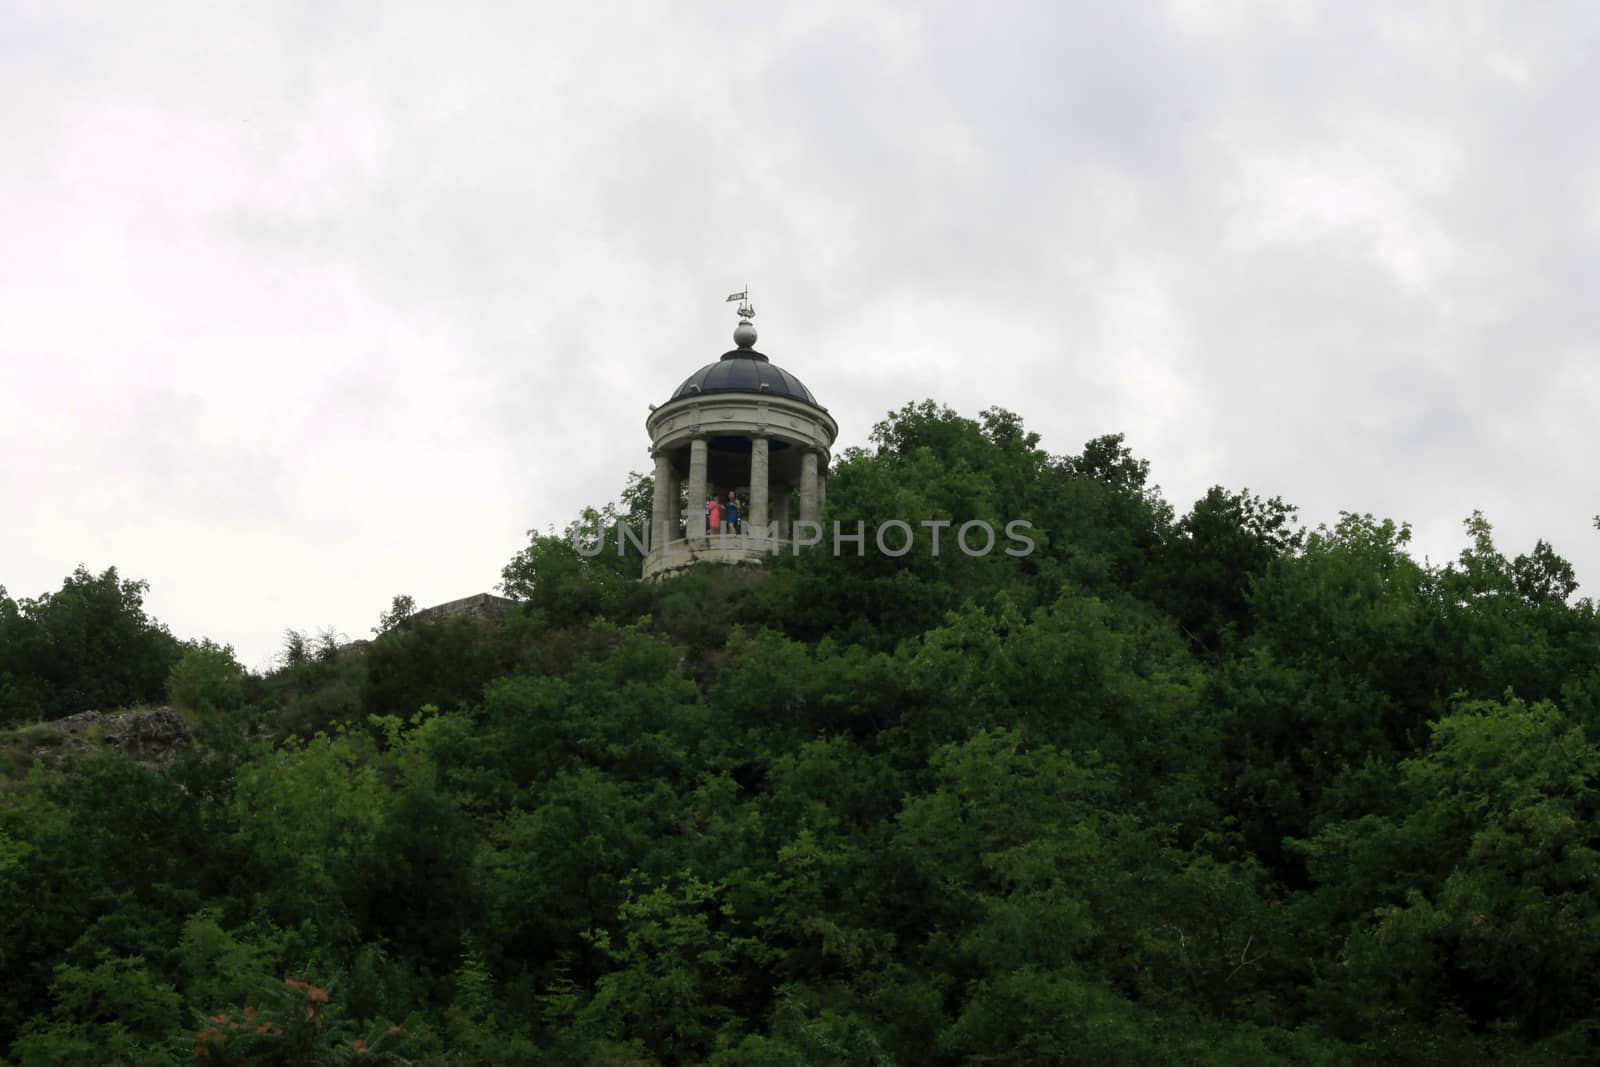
(1194, 786)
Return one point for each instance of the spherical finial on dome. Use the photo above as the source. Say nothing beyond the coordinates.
(744, 334)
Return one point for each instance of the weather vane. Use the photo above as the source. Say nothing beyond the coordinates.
(747, 310)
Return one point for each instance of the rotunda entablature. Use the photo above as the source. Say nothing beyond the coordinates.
(744, 414)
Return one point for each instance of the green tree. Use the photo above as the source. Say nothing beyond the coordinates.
(679, 960)
(114, 1013)
(1476, 898)
(88, 645)
(208, 679)
(401, 608)
(1212, 556)
(564, 586)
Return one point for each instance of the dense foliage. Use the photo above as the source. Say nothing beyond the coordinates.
(1172, 788)
(90, 645)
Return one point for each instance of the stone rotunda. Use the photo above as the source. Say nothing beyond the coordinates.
(742, 423)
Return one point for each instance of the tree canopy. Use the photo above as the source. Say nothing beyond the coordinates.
(1173, 787)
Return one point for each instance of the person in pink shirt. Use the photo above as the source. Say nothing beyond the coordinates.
(713, 514)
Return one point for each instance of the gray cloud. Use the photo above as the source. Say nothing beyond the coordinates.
(307, 305)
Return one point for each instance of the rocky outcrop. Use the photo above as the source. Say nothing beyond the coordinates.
(153, 737)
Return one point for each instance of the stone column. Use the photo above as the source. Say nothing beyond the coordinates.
(822, 489)
(780, 508)
(661, 503)
(808, 486)
(696, 504)
(758, 485)
(674, 505)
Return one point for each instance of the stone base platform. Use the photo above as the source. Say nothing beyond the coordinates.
(717, 548)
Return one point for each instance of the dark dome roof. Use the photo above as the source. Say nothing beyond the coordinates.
(744, 370)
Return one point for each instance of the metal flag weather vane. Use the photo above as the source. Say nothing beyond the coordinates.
(747, 310)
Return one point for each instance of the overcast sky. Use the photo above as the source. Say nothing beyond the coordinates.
(306, 305)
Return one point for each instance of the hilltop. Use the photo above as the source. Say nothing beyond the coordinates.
(1200, 786)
